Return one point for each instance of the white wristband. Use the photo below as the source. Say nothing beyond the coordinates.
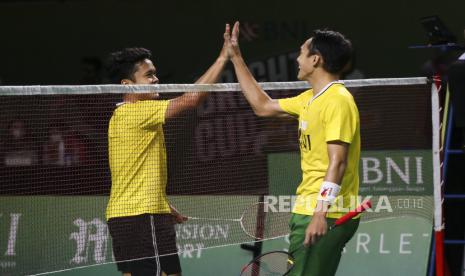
(328, 191)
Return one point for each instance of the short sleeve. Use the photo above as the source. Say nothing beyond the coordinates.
(340, 118)
(151, 113)
(293, 105)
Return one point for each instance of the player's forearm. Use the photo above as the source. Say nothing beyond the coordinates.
(330, 188)
(173, 209)
(334, 175)
(213, 73)
(254, 94)
(335, 171)
(210, 76)
(337, 156)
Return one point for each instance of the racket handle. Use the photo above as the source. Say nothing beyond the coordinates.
(362, 207)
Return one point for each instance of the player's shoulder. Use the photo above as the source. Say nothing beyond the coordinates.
(140, 105)
(306, 95)
(340, 93)
(299, 99)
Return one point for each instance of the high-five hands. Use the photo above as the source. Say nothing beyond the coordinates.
(231, 41)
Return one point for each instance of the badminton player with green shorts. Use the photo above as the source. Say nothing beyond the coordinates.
(329, 137)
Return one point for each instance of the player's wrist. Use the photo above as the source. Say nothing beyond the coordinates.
(322, 208)
(320, 214)
(237, 59)
(328, 193)
(222, 59)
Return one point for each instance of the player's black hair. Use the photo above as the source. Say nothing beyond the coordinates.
(334, 48)
(123, 64)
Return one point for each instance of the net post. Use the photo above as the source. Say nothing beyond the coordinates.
(437, 176)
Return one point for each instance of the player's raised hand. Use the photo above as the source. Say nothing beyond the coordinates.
(231, 40)
(224, 51)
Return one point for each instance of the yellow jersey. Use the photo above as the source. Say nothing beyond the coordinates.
(328, 116)
(137, 156)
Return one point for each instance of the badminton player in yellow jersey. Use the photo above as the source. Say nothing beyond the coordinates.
(140, 219)
(329, 137)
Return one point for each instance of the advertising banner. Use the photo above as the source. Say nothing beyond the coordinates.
(392, 236)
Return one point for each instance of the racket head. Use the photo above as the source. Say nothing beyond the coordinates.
(273, 263)
(260, 221)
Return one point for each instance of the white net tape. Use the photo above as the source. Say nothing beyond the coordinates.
(173, 88)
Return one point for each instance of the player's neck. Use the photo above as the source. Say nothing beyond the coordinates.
(319, 81)
(131, 98)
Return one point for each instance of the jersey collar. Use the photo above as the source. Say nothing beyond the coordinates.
(324, 90)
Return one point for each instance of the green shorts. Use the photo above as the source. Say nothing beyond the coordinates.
(322, 258)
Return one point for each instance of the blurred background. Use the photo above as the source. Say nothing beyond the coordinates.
(46, 42)
(64, 42)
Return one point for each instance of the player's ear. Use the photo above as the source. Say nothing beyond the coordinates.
(317, 60)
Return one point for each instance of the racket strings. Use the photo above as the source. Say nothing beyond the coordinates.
(270, 264)
(261, 222)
